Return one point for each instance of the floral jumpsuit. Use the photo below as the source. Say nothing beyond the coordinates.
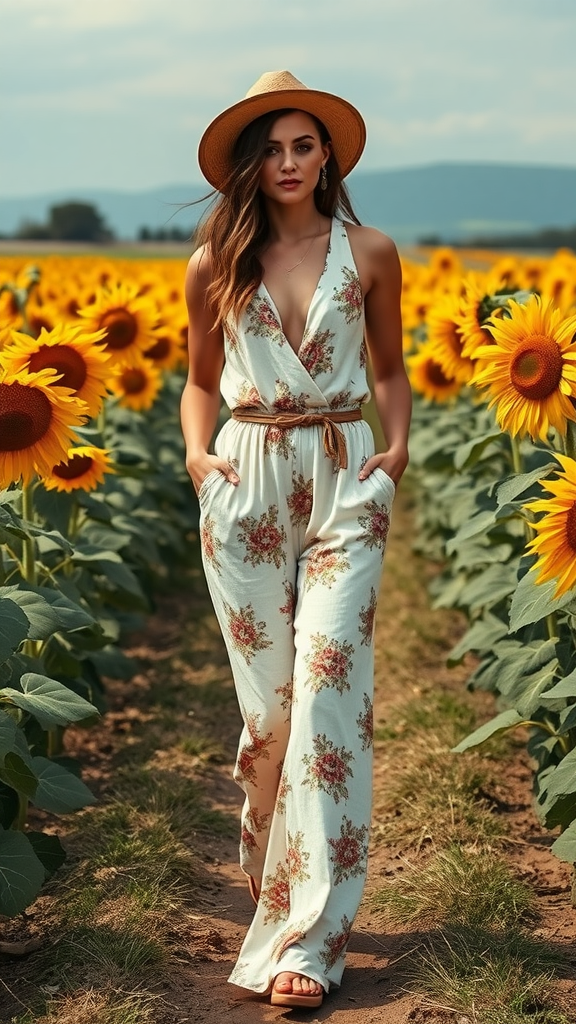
(293, 558)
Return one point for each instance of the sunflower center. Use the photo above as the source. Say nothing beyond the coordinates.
(134, 381)
(160, 350)
(121, 328)
(64, 360)
(77, 466)
(25, 416)
(436, 375)
(571, 526)
(536, 369)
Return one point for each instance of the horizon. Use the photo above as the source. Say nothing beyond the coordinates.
(356, 173)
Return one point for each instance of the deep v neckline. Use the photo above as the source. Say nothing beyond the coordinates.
(274, 307)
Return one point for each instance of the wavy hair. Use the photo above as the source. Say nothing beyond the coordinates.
(236, 229)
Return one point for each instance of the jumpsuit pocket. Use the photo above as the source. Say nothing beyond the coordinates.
(207, 484)
(383, 478)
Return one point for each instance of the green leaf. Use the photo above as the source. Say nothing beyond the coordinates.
(16, 774)
(8, 730)
(482, 636)
(43, 620)
(468, 454)
(58, 790)
(520, 482)
(49, 701)
(9, 805)
(557, 696)
(502, 722)
(21, 873)
(48, 849)
(488, 588)
(533, 601)
(565, 846)
(558, 795)
(14, 627)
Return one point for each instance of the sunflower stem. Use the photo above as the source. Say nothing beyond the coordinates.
(74, 520)
(551, 625)
(20, 819)
(516, 454)
(29, 545)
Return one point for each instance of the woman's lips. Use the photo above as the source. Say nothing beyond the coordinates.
(289, 183)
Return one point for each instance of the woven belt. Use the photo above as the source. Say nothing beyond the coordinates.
(332, 437)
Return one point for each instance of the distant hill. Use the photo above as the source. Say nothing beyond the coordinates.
(452, 200)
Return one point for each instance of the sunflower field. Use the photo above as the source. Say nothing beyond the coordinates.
(492, 357)
(96, 506)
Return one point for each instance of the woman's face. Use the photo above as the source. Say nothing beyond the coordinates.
(293, 159)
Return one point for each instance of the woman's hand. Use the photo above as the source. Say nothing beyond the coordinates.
(199, 467)
(393, 462)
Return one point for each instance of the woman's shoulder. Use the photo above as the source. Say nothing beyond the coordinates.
(370, 240)
(199, 269)
(375, 254)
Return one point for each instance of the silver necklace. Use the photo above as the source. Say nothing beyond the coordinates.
(288, 270)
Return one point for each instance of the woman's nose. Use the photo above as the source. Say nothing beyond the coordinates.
(287, 159)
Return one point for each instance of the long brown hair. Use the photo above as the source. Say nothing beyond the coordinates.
(236, 228)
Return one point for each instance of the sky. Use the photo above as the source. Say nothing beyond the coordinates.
(115, 94)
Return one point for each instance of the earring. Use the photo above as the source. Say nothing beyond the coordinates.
(323, 179)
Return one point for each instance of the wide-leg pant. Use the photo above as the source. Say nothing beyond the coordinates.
(293, 557)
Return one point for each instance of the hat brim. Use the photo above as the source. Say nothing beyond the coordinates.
(343, 122)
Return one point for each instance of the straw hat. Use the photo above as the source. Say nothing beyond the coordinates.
(276, 90)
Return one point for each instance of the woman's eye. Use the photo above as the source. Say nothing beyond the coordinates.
(304, 148)
(270, 151)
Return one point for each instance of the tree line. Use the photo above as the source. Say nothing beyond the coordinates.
(82, 222)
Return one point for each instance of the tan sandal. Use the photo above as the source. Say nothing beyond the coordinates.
(296, 999)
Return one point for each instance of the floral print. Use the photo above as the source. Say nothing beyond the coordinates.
(289, 607)
(253, 823)
(376, 524)
(286, 401)
(300, 500)
(262, 320)
(316, 353)
(349, 298)
(248, 396)
(297, 858)
(278, 441)
(295, 933)
(365, 723)
(284, 789)
(246, 635)
(328, 663)
(367, 618)
(257, 748)
(286, 692)
(263, 538)
(275, 895)
(328, 768)
(335, 944)
(324, 565)
(211, 544)
(349, 851)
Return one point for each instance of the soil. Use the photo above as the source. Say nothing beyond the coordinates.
(374, 989)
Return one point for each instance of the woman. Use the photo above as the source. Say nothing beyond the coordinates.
(283, 298)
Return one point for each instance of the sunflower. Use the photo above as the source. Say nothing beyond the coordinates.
(471, 319)
(530, 370)
(555, 543)
(429, 378)
(37, 420)
(445, 339)
(127, 318)
(69, 350)
(82, 469)
(137, 385)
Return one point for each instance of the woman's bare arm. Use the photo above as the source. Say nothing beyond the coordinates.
(200, 403)
(379, 268)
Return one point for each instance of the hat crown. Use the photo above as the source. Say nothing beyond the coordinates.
(274, 81)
